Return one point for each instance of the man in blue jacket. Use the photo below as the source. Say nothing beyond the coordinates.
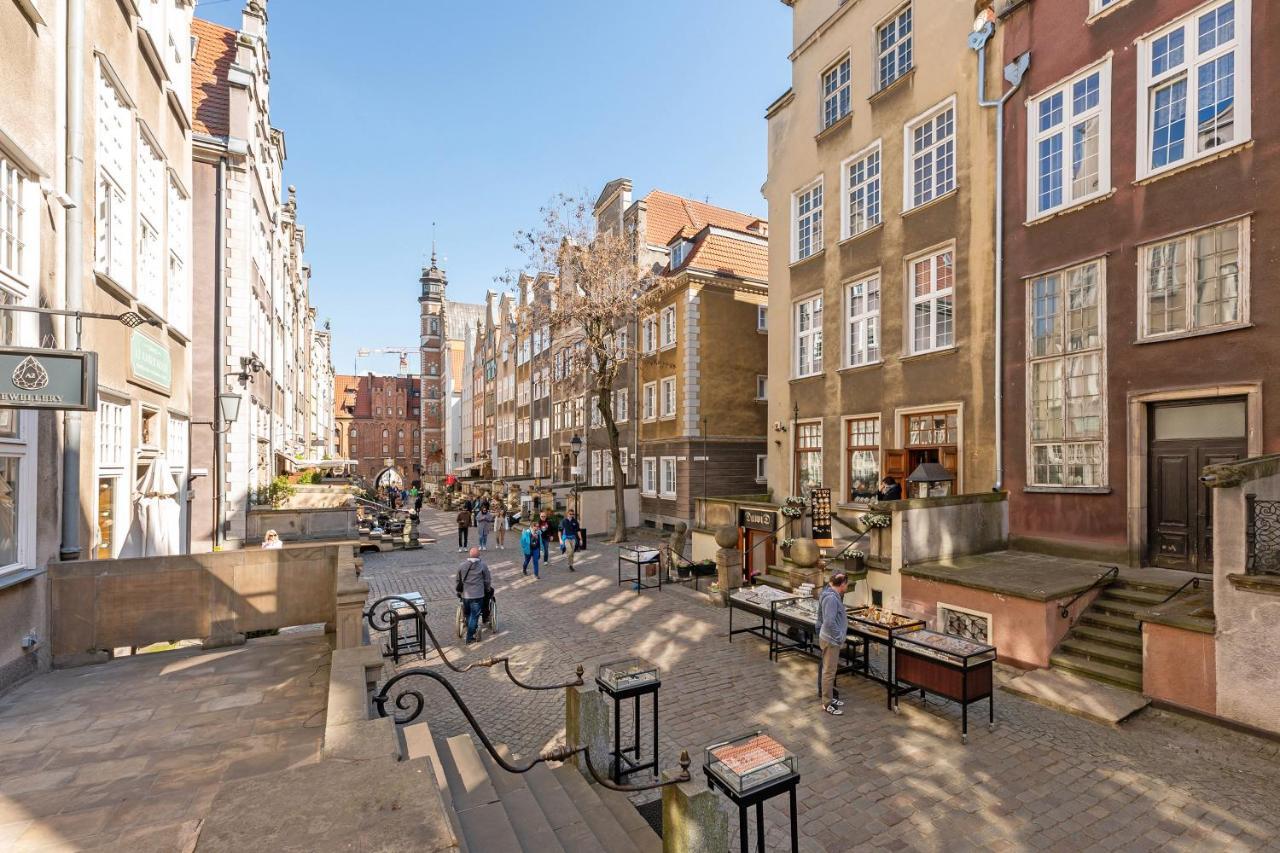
(833, 631)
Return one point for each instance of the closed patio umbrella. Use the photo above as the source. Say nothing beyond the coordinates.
(155, 531)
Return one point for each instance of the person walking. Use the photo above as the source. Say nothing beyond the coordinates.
(544, 535)
(474, 583)
(569, 528)
(530, 548)
(464, 525)
(833, 631)
(484, 521)
(500, 524)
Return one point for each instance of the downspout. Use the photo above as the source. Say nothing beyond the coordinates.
(1013, 72)
(219, 357)
(74, 225)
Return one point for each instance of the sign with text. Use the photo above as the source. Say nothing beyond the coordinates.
(48, 379)
(149, 363)
(757, 519)
(820, 500)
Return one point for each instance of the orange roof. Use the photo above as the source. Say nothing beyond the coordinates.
(722, 254)
(667, 215)
(210, 92)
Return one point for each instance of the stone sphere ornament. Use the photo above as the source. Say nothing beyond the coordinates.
(727, 536)
(805, 553)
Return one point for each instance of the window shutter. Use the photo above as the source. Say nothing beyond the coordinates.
(949, 459)
(895, 465)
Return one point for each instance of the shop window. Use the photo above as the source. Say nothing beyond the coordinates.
(931, 437)
(862, 454)
(808, 462)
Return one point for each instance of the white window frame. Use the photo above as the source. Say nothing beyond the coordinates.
(762, 463)
(650, 402)
(19, 225)
(945, 145)
(865, 324)
(934, 296)
(650, 333)
(621, 400)
(667, 398)
(649, 476)
(1064, 128)
(1148, 84)
(1188, 239)
(813, 335)
(112, 459)
(812, 219)
(869, 191)
(882, 52)
(762, 318)
(762, 387)
(668, 477)
(667, 327)
(837, 95)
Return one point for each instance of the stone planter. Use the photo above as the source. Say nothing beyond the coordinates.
(805, 553)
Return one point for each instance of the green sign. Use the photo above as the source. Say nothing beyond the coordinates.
(48, 379)
(149, 362)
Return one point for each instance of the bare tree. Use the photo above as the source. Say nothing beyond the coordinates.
(601, 284)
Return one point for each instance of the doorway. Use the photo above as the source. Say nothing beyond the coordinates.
(759, 557)
(1185, 437)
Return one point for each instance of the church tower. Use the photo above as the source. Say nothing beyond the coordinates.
(434, 370)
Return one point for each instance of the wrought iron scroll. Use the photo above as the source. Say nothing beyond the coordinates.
(1262, 536)
(412, 702)
(380, 620)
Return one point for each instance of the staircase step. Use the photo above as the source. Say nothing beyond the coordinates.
(1109, 620)
(1146, 598)
(531, 826)
(1130, 640)
(1104, 652)
(418, 743)
(1118, 606)
(1098, 671)
(637, 828)
(604, 825)
(485, 824)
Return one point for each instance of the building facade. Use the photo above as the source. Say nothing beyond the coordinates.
(1138, 323)
(880, 190)
(379, 422)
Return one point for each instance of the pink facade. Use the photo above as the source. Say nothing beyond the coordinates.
(1178, 667)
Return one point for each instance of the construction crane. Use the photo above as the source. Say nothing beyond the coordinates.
(403, 352)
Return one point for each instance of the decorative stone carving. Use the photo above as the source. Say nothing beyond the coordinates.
(727, 536)
(679, 536)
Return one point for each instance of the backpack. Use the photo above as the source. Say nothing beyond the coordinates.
(526, 540)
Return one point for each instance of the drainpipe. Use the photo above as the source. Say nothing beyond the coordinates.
(74, 235)
(219, 357)
(984, 28)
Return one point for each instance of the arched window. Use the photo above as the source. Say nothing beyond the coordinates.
(353, 432)
(386, 433)
(399, 433)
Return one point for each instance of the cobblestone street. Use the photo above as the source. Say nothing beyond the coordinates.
(871, 779)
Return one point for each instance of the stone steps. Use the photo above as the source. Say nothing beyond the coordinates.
(1108, 673)
(1104, 651)
(1120, 639)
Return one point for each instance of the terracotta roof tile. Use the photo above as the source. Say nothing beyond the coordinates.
(722, 254)
(668, 215)
(210, 91)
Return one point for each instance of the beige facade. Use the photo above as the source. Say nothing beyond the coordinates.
(880, 191)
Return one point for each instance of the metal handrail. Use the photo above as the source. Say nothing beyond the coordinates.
(381, 621)
(414, 703)
(1194, 583)
(1111, 573)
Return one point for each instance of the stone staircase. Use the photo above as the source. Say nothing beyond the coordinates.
(1105, 643)
(547, 810)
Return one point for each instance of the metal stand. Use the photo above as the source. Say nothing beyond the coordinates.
(640, 584)
(407, 634)
(621, 766)
(756, 797)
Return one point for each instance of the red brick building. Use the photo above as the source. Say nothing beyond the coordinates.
(379, 426)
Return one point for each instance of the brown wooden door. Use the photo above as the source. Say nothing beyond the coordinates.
(758, 557)
(1180, 527)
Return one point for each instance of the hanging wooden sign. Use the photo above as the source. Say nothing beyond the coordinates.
(48, 379)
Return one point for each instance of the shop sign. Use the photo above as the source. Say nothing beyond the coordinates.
(149, 363)
(48, 379)
(820, 501)
(757, 519)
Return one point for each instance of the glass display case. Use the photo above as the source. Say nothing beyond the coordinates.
(950, 667)
(642, 562)
(749, 762)
(627, 673)
(882, 624)
(956, 651)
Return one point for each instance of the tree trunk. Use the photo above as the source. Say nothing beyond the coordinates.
(604, 402)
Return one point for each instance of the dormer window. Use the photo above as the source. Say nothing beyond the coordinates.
(679, 252)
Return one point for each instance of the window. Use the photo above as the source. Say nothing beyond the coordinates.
(650, 400)
(1096, 6)
(622, 462)
(178, 442)
(862, 192)
(1066, 407)
(113, 221)
(667, 484)
(668, 326)
(1199, 67)
(862, 457)
(649, 476)
(151, 195)
(669, 397)
(808, 456)
(762, 460)
(679, 251)
(932, 283)
(113, 441)
(835, 93)
(762, 386)
(580, 411)
(863, 300)
(620, 401)
(1071, 122)
(893, 46)
(931, 164)
(595, 413)
(650, 334)
(808, 221)
(595, 468)
(932, 437)
(16, 223)
(1215, 261)
(808, 337)
(112, 424)
(762, 318)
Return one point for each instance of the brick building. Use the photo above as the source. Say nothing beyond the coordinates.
(379, 426)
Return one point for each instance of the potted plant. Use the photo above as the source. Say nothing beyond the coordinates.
(855, 561)
(785, 545)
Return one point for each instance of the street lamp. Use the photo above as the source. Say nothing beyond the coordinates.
(229, 409)
(575, 444)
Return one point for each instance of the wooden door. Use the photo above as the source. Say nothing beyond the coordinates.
(1180, 527)
(758, 557)
(1217, 454)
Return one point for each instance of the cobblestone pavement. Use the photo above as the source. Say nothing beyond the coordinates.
(870, 779)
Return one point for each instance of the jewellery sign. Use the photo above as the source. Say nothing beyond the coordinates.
(48, 379)
(820, 499)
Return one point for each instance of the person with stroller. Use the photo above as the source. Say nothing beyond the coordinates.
(474, 583)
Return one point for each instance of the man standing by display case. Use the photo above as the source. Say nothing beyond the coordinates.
(833, 630)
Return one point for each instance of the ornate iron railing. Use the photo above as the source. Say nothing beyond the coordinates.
(381, 620)
(412, 702)
(1262, 536)
(1111, 573)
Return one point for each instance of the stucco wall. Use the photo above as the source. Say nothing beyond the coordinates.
(972, 524)
(1178, 667)
(302, 524)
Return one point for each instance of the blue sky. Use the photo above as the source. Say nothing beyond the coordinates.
(398, 113)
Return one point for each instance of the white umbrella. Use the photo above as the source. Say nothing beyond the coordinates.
(156, 514)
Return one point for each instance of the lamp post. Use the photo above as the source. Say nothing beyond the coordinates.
(575, 444)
